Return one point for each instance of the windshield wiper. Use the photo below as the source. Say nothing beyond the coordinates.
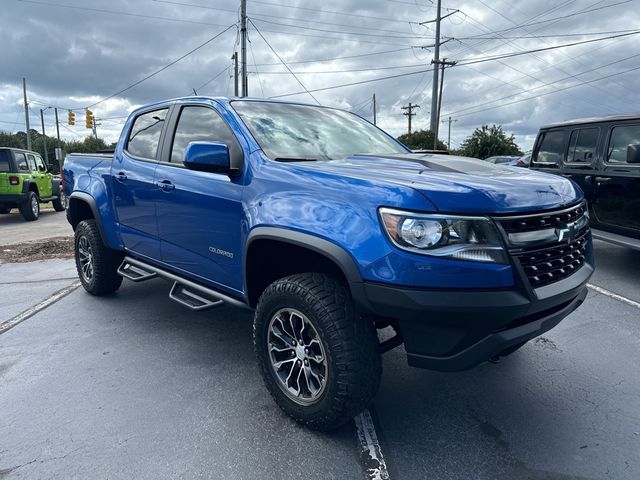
(295, 159)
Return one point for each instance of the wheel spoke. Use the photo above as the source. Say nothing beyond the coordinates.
(297, 356)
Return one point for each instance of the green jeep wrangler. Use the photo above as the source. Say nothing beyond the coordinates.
(25, 181)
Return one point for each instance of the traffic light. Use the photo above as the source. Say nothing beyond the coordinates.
(72, 118)
(88, 118)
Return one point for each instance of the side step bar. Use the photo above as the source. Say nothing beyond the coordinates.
(616, 239)
(187, 293)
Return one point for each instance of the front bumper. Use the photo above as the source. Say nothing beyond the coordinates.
(452, 330)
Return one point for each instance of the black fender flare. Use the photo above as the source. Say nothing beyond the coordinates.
(330, 250)
(89, 200)
(319, 245)
(55, 187)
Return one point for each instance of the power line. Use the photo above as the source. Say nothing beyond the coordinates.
(333, 12)
(260, 15)
(586, 82)
(556, 35)
(163, 68)
(117, 12)
(555, 19)
(351, 84)
(341, 32)
(340, 58)
(212, 79)
(473, 107)
(283, 62)
(369, 69)
(555, 47)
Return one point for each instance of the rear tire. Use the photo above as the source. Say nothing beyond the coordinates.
(30, 209)
(333, 371)
(96, 263)
(60, 203)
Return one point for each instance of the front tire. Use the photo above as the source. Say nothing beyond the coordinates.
(318, 357)
(96, 263)
(60, 203)
(30, 209)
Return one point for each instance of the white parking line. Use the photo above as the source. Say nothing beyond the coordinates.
(620, 298)
(31, 311)
(370, 451)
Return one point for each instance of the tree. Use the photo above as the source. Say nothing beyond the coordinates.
(19, 140)
(420, 140)
(488, 141)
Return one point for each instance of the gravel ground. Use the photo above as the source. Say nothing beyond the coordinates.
(57, 247)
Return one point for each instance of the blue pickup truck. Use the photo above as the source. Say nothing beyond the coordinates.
(331, 231)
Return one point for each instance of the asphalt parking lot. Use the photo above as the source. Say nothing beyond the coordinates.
(134, 386)
(14, 228)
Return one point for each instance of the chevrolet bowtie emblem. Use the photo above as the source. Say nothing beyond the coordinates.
(567, 233)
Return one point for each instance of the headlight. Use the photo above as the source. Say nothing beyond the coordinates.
(462, 238)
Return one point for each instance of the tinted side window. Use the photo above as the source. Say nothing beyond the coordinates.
(199, 124)
(4, 161)
(551, 147)
(582, 145)
(32, 163)
(21, 162)
(621, 138)
(145, 134)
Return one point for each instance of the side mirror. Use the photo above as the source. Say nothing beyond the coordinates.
(207, 157)
(633, 154)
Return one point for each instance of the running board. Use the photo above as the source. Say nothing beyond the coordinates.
(186, 292)
(135, 273)
(616, 239)
(192, 299)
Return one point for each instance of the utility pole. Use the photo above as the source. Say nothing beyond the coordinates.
(434, 89)
(449, 121)
(93, 127)
(409, 113)
(374, 109)
(235, 73)
(44, 138)
(442, 63)
(243, 43)
(57, 126)
(26, 112)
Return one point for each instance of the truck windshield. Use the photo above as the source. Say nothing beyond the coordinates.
(287, 131)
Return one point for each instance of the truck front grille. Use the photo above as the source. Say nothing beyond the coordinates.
(549, 265)
(550, 246)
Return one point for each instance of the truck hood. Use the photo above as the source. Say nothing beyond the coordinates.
(459, 184)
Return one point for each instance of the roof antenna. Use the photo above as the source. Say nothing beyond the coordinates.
(194, 92)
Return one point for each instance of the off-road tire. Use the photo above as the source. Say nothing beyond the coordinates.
(350, 344)
(30, 209)
(60, 203)
(105, 261)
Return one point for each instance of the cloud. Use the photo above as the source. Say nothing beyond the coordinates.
(74, 53)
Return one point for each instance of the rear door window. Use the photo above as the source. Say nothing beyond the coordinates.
(551, 149)
(21, 162)
(582, 145)
(4, 161)
(40, 164)
(144, 136)
(32, 163)
(621, 138)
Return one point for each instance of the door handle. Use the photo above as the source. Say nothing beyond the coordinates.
(121, 177)
(166, 186)
(603, 179)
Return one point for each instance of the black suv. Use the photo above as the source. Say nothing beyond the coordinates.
(602, 155)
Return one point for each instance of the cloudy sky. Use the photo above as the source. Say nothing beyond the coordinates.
(75, 53)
